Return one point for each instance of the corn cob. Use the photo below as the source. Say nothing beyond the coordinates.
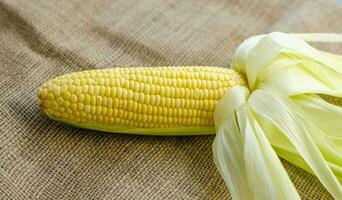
(131, 100)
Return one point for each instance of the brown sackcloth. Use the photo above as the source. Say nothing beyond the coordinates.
(40, 39)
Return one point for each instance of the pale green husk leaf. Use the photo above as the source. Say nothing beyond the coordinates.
(243, 154)
(284, 74)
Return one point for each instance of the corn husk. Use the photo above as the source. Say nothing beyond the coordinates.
(282, 114)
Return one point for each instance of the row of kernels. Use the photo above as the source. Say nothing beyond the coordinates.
(145, 90)
(141, 109)
(149, 100)
(184, 72)
(139, 100)
(173, 69)
(161, 79)
(145, 76)
(100, 105)
(202, 73)
(153, 93)
(133, 119)
(137, 103)
(145, 120)
(141, 86)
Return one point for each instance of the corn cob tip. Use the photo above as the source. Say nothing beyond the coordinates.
(46, 98)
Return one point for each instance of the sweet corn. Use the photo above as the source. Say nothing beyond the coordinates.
(126, 99)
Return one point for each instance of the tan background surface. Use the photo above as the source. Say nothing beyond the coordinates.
(43, 159)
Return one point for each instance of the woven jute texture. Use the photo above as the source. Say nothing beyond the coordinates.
(40, 39)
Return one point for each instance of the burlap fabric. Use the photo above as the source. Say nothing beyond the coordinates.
(43, 159)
